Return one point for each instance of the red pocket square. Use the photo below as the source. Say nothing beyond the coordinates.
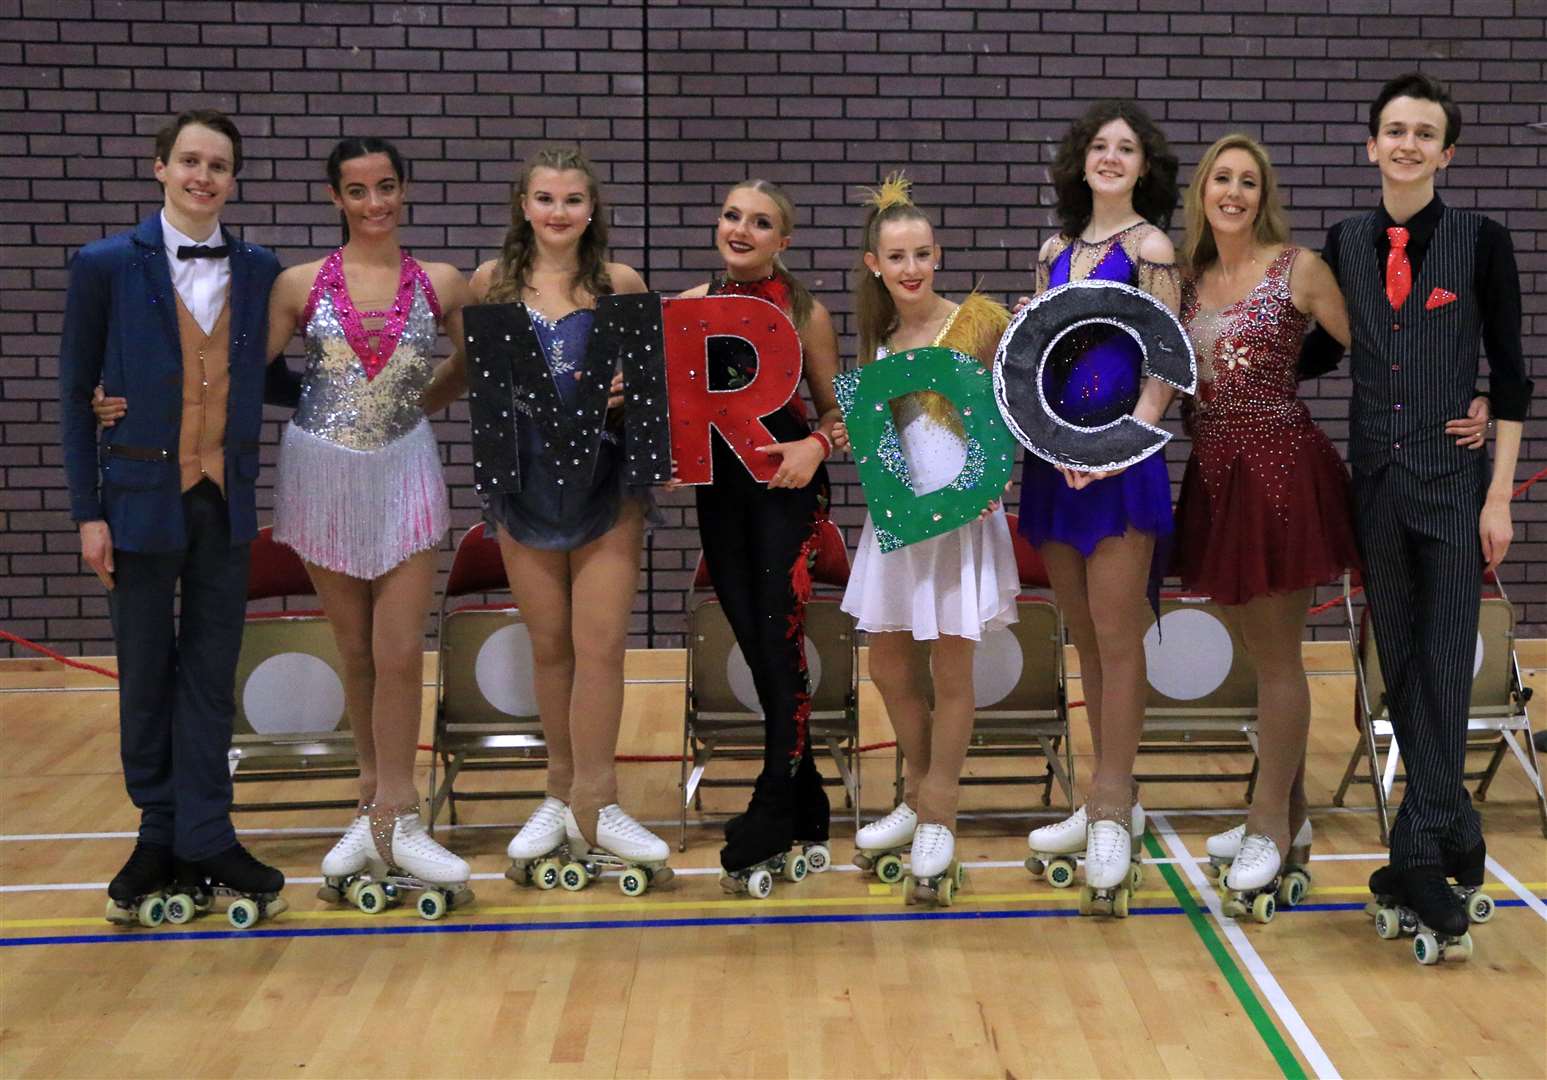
(1439, 298)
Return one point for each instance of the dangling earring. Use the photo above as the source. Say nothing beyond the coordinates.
(875, 273)
(937, 266)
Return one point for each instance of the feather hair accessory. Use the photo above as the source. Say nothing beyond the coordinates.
(894, 191)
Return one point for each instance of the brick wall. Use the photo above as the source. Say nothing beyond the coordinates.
(675, 101)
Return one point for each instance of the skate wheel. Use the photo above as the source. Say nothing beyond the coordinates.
(760, 884)
(546, 876)
(818, 858)
(1426, 948)
(910, 891)
(945, 892)
(795, 868)
(889, 869)
(432, 905)
(1060, 873)
(961, 876)
(1087, 899)
(1387, 924)
(1264, 907)
(1293, 888)
(371, 899)
(1135, 876)
(633, 882)
(574, 877)
(1460, 949)
(179, 909)
(242, 913)
(1479, 907)
(1035, 866)
(151, 911)
(1120, 903)
(352, 891)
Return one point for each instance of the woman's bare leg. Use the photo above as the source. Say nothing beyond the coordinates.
(400, 600)
(950, 733)
(1117, 578)
(897, 667)
(347, 603)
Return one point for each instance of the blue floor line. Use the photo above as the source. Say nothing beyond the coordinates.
(607, 924)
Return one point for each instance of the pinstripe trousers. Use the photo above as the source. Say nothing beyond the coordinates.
(1423, 576)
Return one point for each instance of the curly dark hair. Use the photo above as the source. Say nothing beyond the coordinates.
(1156, 194)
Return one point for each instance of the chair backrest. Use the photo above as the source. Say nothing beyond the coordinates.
(275, 570)
(1018, 671)
(476, 567)
(486, 672)
(721, 681)
(289, 679)
(1033, 572)
(1195, 660)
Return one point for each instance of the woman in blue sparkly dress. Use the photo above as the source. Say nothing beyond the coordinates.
(1103, 536)
(571, 554)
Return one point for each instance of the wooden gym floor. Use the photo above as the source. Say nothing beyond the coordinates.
(832, 977)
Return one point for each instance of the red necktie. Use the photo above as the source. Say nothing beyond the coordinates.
(1399, 272)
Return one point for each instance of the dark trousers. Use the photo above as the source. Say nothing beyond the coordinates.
(176, 678)
(1423, 576)
(752, 537)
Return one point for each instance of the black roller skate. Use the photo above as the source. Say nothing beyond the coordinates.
(813, 814)
(761, 845)
(1420, 902)
(137, 894)
(232, 881)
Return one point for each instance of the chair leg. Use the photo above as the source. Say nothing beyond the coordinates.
(1499, 749)
(1377, 787)
(1349, 774)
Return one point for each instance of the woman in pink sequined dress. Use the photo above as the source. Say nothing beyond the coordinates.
(1264, 515)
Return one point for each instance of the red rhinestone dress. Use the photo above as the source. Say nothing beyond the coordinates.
(1265, 504)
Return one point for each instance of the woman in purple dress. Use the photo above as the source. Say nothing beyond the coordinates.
(1103, 535)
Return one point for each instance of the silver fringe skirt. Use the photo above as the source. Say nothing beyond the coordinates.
(360, 512)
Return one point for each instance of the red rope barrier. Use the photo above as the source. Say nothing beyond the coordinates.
(52, 655)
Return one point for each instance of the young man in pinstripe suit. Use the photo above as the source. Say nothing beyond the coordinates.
(1425, 283)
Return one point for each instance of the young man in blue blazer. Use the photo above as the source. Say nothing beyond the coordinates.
(173, 316)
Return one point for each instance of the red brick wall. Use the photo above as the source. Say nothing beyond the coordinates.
(675, 101)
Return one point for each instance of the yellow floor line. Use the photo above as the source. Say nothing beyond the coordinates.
(653, 907)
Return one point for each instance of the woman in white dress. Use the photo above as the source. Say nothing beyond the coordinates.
(926, 605)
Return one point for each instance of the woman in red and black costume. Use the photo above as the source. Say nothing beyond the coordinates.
(758, 539)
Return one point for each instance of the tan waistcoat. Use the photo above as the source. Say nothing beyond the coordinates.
(206, 384)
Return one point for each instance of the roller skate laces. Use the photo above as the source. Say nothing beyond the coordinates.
(621, 844)
(895, 828)
(621, 835)
(542, 833)
(934, 873)
(352, 852)
(1255, 865)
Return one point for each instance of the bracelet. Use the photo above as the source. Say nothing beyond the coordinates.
(827, 444)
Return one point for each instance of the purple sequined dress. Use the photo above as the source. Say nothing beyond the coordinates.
(1094, 378)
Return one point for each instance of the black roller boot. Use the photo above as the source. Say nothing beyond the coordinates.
(760, 846)
(233, 881)
(1420, 902)
(136, 895)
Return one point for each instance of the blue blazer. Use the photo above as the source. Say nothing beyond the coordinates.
(120, 330)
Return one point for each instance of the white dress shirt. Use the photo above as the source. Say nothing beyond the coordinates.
(201, 283)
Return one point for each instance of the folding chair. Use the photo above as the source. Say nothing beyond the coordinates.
(1019, 681)
(1202, 690)
(1497, 721)
(485, 703)
(290, 722)
(721, 717)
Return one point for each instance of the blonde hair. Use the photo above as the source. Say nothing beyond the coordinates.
(1272, 225)
(800, 296)
(513, 271)
(874, 309)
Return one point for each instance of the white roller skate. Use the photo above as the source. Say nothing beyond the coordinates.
(882, 842)
(1056, 849)
(346, 863)
(621, 844)
(539, 851)
(417, 862)
(1251, 876)
(934, 874)
(1109, 869)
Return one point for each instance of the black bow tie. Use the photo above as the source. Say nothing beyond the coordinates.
(203, 251)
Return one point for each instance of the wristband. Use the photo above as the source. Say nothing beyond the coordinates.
(827, 444)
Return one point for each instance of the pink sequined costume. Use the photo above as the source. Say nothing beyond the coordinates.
(1265, 502)
(359, 487)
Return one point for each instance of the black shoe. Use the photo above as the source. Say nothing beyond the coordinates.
(813, 813)
(235, 868)
(1426, 890)
(149, 870)
(766, 829)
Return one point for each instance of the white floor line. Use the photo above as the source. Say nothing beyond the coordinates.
(1277, 1000)
(1515, 887)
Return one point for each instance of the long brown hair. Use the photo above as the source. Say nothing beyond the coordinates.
(874, 309)
(800, 296)
(513, 271)
(1272, 225)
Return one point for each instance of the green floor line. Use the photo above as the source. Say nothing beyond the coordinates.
(1287, 1062)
